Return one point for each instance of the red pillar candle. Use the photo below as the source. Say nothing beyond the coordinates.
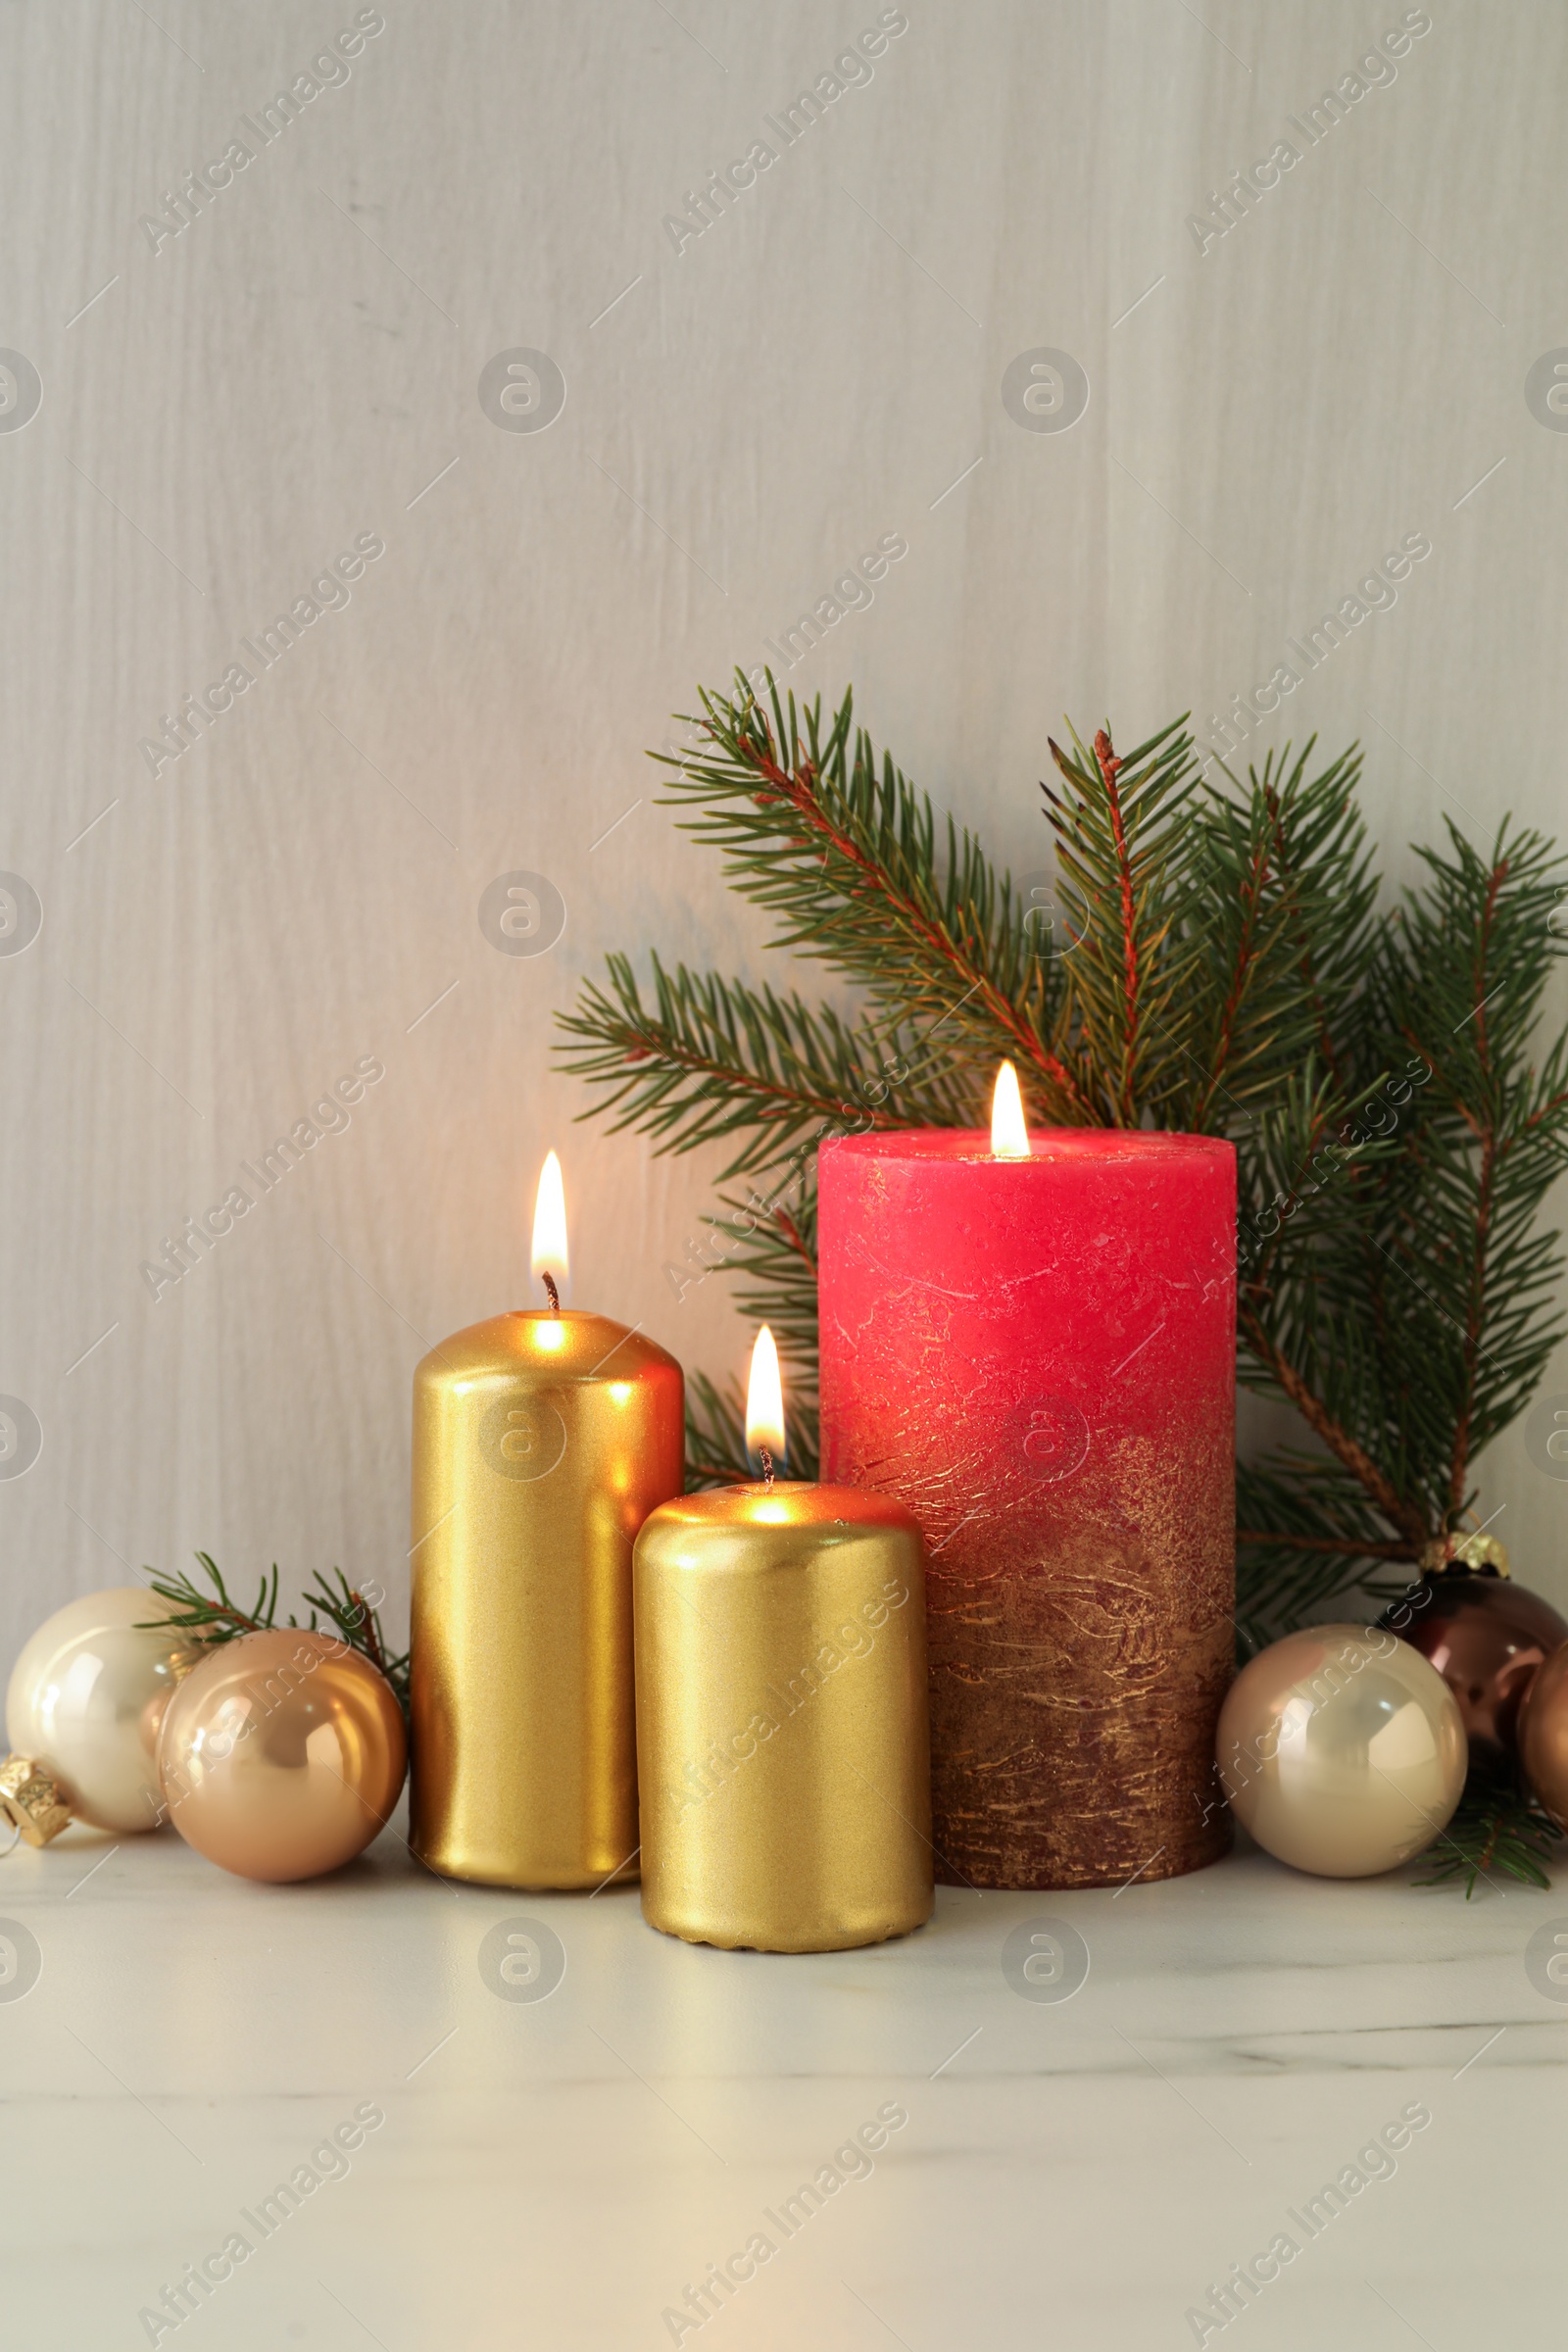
(1034, 1351)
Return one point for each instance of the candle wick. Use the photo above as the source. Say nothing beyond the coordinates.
(555, 1294)
(767, 1466)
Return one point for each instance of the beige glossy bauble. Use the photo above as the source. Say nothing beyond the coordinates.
(1544, 1735)
(86, 1699)
(1342, 1750)
(282, 1755)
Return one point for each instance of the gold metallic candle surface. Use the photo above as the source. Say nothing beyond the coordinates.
(541, 1442)
(782, 1747)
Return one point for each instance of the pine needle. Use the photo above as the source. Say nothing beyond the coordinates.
(215, 1617)
(1499, 1828)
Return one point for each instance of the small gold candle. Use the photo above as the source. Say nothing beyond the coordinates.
(782, 1748)
(541, 1440)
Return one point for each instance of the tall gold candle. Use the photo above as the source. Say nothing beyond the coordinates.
(782, 1748)
(541, 1442)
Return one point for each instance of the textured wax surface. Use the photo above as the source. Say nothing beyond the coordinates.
(1038, 1358)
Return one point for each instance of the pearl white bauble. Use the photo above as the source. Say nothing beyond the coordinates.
(1342, 1750)
(86, 1699)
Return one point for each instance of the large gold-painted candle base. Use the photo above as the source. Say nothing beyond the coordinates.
(782, 1745)
(541, 1442)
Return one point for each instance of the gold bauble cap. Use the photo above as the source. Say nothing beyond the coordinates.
(29, 1797)
(1479, 1555)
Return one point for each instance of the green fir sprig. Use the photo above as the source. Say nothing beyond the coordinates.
(1219, 959)
(215, 1616)
(1498, 1830)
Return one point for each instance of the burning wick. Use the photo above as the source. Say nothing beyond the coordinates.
(765, 1406)
(549, 1253)
(1010, 1137)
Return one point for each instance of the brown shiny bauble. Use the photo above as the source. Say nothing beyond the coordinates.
(282, 1754)
(1543, 1735)
(1486, 1636)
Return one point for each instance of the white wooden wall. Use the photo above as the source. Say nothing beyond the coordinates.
(299, 370)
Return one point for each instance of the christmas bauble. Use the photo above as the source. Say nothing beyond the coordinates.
(1543, 1735)
(1485, 1635)
(1342, 1750)
(282, 1754)
(86, 1698)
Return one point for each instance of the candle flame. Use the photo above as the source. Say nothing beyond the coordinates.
(764, 1400)
(1010, 1137)
(550, 1255)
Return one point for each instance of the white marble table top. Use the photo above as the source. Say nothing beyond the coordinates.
(560, 2172)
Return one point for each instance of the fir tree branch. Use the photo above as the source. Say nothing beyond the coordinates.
(356, 1622)
(1259, 857)
(1347, 1449)
(1124, 844)
(1329, 888)
(1282, 892)
(1460, 976)
(712, 1060)
(769, 1245)
(1498, 1825)
(848, 855)
(800, 789)
(1109, 767)
(716, 1435)
(1345, 1547)
(1295, 1342)
(773, 1260)
(1308, 1535)
(1233, 977)
(215, 1618)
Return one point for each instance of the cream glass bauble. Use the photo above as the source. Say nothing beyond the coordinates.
(86, 1699)
(1342, 1750)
